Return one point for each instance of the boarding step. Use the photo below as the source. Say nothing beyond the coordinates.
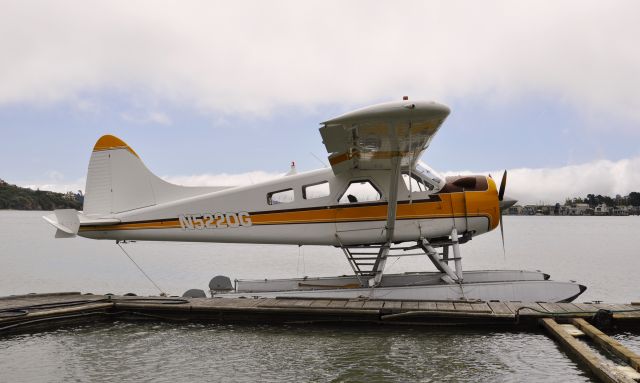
(363, 259)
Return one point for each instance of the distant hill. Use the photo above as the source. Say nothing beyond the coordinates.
(17, 198)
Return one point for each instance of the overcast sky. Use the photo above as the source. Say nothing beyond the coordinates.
(231, 92)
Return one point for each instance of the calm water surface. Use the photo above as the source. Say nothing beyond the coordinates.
(600, 252)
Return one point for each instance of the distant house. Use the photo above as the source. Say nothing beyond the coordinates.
(515, 210)
(621, 210)
(581, 209)
(601, 209)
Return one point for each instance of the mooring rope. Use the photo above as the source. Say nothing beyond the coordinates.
(162, 293)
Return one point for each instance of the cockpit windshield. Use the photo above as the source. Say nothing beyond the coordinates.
(429, 175)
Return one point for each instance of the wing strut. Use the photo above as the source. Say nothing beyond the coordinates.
(392, 204)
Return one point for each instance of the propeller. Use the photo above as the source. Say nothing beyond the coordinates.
(503, 185)
(505, 203)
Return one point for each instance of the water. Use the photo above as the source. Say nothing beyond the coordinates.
(599, 252)
(226, 353)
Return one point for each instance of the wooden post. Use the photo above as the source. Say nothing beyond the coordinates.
(604, 372)
(608, 343)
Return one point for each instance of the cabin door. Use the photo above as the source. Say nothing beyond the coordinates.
(361, 215)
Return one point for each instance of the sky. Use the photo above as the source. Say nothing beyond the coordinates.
(231, 92)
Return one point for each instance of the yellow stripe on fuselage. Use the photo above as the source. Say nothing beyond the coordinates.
(470, 204)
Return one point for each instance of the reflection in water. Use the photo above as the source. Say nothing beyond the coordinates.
(247, 353)
(629, 340)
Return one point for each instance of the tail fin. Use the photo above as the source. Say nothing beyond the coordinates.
(118, 181)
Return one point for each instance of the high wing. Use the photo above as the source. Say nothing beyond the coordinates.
(370, 137)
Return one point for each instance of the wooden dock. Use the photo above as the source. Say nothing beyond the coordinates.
(42, 311)
(23, 310)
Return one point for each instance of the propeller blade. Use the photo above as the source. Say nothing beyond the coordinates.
(504, 252)
(503, 186)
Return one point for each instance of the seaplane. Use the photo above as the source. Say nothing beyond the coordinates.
(377, 200)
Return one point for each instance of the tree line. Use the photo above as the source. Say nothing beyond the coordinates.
(632, 199)
(18, 198)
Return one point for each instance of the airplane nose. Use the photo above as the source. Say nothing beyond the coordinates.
(507, 202)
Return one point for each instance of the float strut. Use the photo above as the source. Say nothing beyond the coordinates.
(456, 253)
(438, 262)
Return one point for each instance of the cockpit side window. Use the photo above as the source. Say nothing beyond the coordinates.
(429, 176)
(360, 191)
(415, 183)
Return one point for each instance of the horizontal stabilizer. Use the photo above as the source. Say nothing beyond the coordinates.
(63, 234)
(68, 222)
(65, 220)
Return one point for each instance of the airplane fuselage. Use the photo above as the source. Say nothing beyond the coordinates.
(314, 208)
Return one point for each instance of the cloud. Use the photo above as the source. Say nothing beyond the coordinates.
(253, 56)
(147, 118)
(551, 185)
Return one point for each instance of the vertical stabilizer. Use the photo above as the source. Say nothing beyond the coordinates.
(118, 181)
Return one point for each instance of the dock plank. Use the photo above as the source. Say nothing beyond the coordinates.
(574, 309)
(481, 307)
(427, 306)
(583, 307)
(321, 303)
(355, 304)
(286, 302)
(462, 306)
(528, 309)
(500, 308)
(392, 305)
(552, 308)
(373, 305)
(410, 306)
(445, 306)
(586, 308)
(269, 302)
(604, 306)
(337, 303)
(626, 311)
(207, 303)
(303, 303)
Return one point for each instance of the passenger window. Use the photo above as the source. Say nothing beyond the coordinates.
(318, 190)
(415, 183)
(360, 191)
(280, 196)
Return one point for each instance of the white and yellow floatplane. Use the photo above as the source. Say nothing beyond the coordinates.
(377, 200)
